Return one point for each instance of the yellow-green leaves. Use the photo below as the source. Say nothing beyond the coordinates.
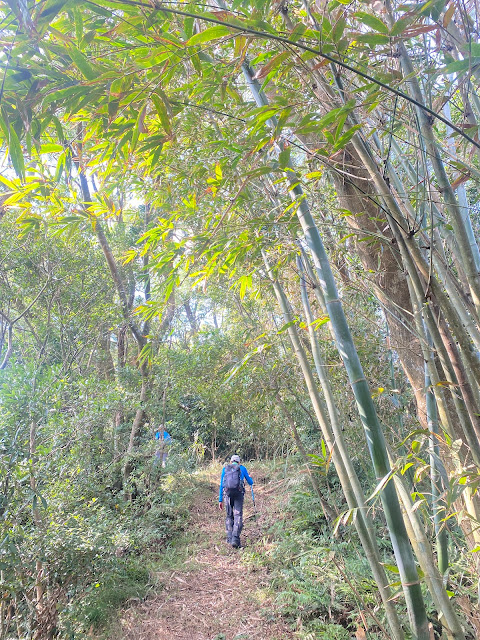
(371, 21)
(138, 127)
(82, 63)
(16, 153)
(210, 34)
(163, 112)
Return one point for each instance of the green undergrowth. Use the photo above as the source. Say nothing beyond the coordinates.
(320, 582)
(112, 550)
(319, 577)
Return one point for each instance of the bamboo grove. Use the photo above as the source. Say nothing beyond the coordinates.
(289, 149)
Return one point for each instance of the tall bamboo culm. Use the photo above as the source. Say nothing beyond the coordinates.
(373, 431)
(364, 530)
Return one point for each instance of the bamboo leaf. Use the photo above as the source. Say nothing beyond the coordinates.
(7, 183)
(286, 326)
(5, 129)
(459, 66)
(49, 10)
(51, 148)
(381, 485)
(319, 322)
(400, 26)
(474, 49)
(297, 32)
(82, 63)
(338, 29)
(161, 109)
(447, 18)
(16, 154)
(212, 33)
(271, 65)
(137, 128)
(78, 24)
(371, 21)
(284, 158)
(372, 39)
(391, 567)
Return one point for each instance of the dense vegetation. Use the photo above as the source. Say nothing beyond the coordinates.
(252, 225)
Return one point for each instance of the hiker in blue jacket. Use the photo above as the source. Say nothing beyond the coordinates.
(232, 487)
(165, 440)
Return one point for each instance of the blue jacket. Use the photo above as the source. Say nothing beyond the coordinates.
(167, 438)
(243, 476)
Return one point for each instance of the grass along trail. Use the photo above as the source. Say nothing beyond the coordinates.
(206, 589)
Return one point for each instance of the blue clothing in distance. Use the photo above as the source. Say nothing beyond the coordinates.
(167, 438)
(243, 476)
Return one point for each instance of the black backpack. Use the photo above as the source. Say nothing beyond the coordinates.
(232, 480)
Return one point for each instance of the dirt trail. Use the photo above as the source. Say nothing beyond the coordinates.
(214, 595)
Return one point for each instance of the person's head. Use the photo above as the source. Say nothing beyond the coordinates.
(235, 458)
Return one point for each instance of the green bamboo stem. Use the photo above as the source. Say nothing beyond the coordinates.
(466, 412)
(456, 217)
(364, 531)
(433, 577)
(317, 290)
(322, 372)
(328, 512)
(438, 507)
(373, 431)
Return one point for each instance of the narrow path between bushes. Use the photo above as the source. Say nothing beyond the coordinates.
(212, 593)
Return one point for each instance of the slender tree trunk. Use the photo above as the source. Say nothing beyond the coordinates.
(137, 423)
(362, 521)
(438, 507)
(327, 510)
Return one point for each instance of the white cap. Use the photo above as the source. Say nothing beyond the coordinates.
(235, 458)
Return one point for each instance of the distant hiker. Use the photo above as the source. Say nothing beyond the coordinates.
(232, 487)
(165, 441)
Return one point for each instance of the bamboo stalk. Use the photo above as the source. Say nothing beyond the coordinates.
(364, 533)
(438, 508)
(373, 431)
(457, 220)
(424, 554)
(327, 510)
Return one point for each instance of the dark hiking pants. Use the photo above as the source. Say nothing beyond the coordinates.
(234, 519)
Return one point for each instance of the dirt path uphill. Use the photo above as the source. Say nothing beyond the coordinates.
(213, 594)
